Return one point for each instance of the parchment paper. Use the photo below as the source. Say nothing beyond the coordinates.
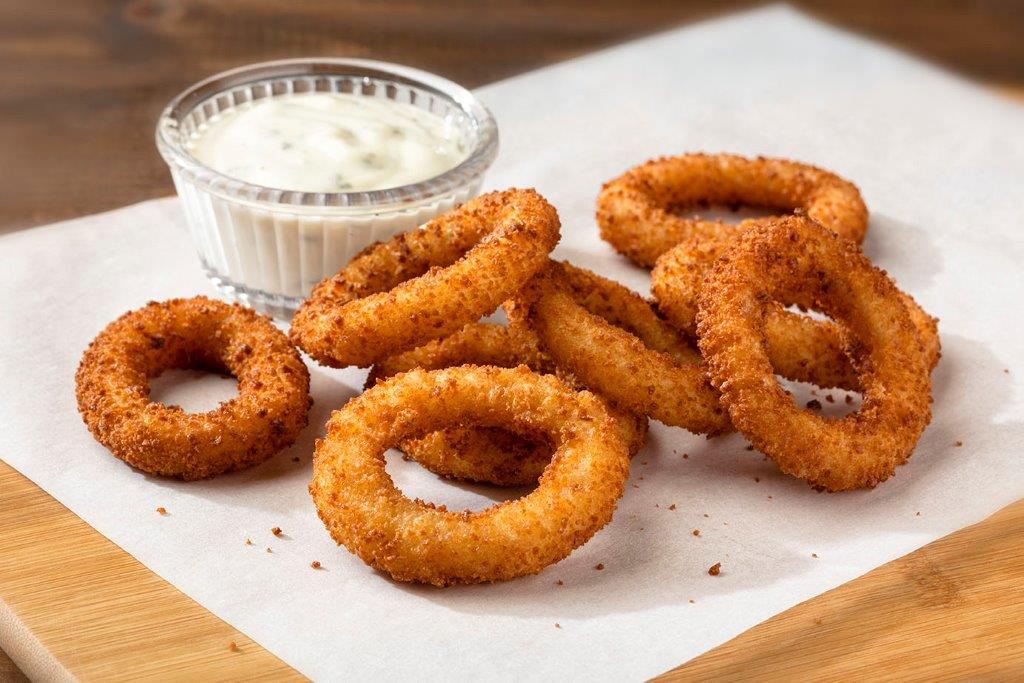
(940, 164)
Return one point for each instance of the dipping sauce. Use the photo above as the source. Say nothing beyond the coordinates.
(328, 142)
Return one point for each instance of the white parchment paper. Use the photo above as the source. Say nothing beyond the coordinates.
(941, 167)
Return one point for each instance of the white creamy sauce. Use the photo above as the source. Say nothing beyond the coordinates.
(327, 142)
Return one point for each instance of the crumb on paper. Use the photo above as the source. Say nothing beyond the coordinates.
(269, 550)
(635, 486)
(1006, 371)
(918, 514)
(162, 510)
(248, 541)
(750, 448)
(706, 514)
(849, 399)
(315, 564)
(715, 569)
(559, 583)
(233, 646)
(814, 404)
(814, 555)
(557, 625)
(769, 497)
(691, 601)
(696, 532)
(685, 456)
(672, 506)
(276, 531)
(599, 566)
(958, 444)
(828, 397)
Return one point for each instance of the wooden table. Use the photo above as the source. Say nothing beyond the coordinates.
(82, 83)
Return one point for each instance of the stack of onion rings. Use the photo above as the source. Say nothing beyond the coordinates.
(415, 541)
(428, 282)
(112, 387)
(614, 343)
(637, 212)
(799, 347)
(488, 454)
(795, 259)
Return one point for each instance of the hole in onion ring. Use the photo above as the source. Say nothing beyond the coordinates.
(416, 481)
(731, 215)
(193, 390)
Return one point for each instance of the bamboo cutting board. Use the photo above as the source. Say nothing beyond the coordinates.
(74, 605)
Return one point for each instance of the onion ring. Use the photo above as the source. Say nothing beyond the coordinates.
(112, 388)
(416, 541)
(799, 348)
(637, 211)
(428, 282)
(488, 454)
(797, 260)
(612, 341)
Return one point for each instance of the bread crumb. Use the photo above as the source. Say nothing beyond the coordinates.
(696, 532)
(750, 448)
(814, 554)
(685, 456)
(599, 566)
(958, 444)
(716, 569)
(705, 514)
(672, 506)
(691, 601)
(269, 550)
(849, 399)
(828, 397)
(162, 510)
(918, 514)
(814, 404)
(276, 531)
(248, 541)
(557, 625)
(559, 583)
(314, 564)
(233, 646)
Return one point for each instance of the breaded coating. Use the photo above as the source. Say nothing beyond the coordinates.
(428, 282)
(112, 387)
(795, 259)
(613, 342)
(415, 541)
(639, 212)
(800, 348)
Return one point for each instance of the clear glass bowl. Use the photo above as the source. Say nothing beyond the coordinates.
(267, 247)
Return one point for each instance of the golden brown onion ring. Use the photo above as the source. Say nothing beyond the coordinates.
(795, 259)
(637, 212)
(427, 283)
(799, 348)
(416, 541)
(112, 387)
(613, 342)
(488, 454)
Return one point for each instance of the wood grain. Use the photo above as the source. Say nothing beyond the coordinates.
(82, 81)
(87, 609)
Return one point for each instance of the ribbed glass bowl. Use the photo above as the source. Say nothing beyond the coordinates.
(267, 247)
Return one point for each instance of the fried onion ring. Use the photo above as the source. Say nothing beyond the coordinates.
(799, 348)
(612, 341)
(795, 259)
(427, 283)
(112, 387)
(416, 541)
(488, 454)
(637, 212)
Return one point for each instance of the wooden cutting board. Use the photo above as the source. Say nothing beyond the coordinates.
(76, 605)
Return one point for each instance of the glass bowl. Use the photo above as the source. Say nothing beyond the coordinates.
(267, 247)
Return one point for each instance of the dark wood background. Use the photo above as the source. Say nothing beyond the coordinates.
(82, 81)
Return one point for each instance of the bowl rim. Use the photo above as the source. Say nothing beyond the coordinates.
(373, 73)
